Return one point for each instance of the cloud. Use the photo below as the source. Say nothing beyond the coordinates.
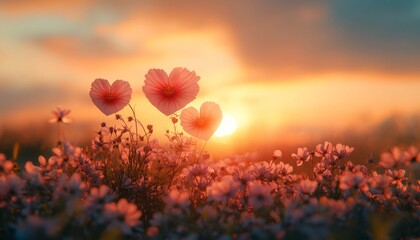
(273, 39)
(91, 53)
(290, 38)
(14, 98)
(22, 7)
(382, 35)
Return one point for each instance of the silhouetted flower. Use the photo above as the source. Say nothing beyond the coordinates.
(302, 155)
(322, 150)
(223, 190)
(60, 115)
(123, 215)
(342, 151)
(259, 195)
(394, 157)
(307, 187)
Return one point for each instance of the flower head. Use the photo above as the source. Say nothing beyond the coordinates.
(322, 150)
(342, 151)
(259, 195)
(223, 190)
(277, 154)
(60, 115)
(170, 94)
(302, 155)
(307, 187)
(110, 98)
(394, 157)
(349, 181)
(122, 214)
(204, 123)
(177, 199)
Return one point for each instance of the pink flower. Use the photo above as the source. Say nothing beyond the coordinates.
(307, 187)
(353, 181)
(323, 150)
(169, 94)
(223, 190)
(342, 151)
(60, 115)
(283, 169)
(122, 212)
(177, 199)
(302, 155)
(394, 157)
(101, 194)
(259, 195)
(277, 154)
(110, 98)
(6, 166)
(204, 123)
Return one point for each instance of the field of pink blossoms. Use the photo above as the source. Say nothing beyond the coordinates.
(127, 185)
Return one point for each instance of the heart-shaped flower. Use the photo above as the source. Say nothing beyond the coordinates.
(170, 94)
(110, 98)
(204, 123)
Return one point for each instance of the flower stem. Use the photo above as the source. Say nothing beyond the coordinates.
(135, 119)
(202, 149)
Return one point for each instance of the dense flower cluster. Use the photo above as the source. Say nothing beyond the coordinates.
(127, 185)
(172, 193)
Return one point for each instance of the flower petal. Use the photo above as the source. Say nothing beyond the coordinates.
(110, 98)
(201, 124)
(170, 94)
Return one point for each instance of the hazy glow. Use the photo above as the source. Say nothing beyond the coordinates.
(227, 127)
(302, 72)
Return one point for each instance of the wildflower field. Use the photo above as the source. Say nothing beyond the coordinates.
(127, 185)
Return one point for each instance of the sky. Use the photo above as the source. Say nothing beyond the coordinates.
(292, 73)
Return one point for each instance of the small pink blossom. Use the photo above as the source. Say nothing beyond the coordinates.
(177, 199)
(101, 194)
(342, 151)
(283, 169)
(349, 181)
(302, 155)
(398, 177)
(33, 173)
(123, 210)
(60, 115)
(204, 123)
(277, 154)
(6, 166)
(322, 150)
(75, 183)
(110, 98)
(223, 190)
(394, 157)
(380, 185)
(259, 195)
(307, 187)
(264, 171)
(170, 94)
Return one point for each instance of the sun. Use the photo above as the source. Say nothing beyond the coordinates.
(227, 126)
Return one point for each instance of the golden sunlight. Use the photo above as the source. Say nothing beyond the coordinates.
(227, 126)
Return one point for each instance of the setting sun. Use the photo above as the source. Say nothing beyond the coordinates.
(227, 127)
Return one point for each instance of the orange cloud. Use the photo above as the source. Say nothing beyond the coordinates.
(91, 53)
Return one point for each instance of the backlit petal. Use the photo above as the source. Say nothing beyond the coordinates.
(170, 94)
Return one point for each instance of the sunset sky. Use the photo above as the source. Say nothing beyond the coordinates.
(292, 73)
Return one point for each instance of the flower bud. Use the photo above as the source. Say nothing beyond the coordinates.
(174, 120)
